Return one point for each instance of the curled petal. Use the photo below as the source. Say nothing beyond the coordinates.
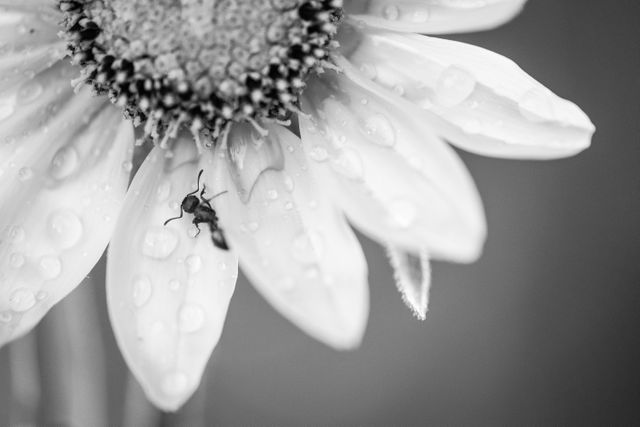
(293, 244)
(412, 273)
(62, 186)
(167, 291)
(393, 177)
(434, 16)
(477, 99)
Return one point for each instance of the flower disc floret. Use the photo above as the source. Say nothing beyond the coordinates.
(200, 63)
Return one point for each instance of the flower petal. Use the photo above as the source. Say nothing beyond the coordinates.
(434, 16)
(477, 99)
(28, 42)
(167, 292)
(412, 273)
(62, 185)
(296, 248)
(392, 176)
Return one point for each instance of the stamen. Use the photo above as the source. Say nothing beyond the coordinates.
(200, 64)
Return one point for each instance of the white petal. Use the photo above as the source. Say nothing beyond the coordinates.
(477, 99)
(167, 292)
(62, 184)
(392, 176)
(28, 42)
(296, 248)
(412, 273)
(434, 16)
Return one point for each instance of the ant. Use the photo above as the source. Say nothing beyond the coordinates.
(203, 212)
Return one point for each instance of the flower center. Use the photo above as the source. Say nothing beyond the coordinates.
(200, 63)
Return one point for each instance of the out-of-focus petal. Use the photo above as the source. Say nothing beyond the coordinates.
(412, 273)
(434, 16)
(28, 42)
(393, 177)
(477, 99)
(167, 291)
(293, 244)
(63, 176)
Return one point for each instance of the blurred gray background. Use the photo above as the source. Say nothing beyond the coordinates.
(543, 330)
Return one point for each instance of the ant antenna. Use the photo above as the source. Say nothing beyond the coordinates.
(178, 217)
(196, 190)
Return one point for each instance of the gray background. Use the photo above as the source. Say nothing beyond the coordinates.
(542, 330)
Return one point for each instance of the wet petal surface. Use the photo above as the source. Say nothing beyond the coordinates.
(477, 99)
(434, 16)
(62, 183)
(293, 244)
(167, 291)
(392, 176)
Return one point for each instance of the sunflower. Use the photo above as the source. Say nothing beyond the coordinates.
(266, 128)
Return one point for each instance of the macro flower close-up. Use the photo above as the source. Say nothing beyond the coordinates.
(197, 137)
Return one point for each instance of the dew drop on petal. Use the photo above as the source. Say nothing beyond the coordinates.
(349, 164)
(175, 285)
(65, 229)
(22, 300)
(142, 291)
(319, 153)
(380, 130)
(403, 213)
(50, 267)
(30, 91)
(17, 234)
(194, 263)
(307, 247)
(163, 191)
(420, 16)
(191, 318)
(25, 173)
(159, 242)
(272, 194)
(454, 86)
(391, 12)
(16, 260)
(64, 163)
(7, 108)
(289, 183)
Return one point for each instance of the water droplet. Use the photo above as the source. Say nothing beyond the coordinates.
(64, 163)
(191, 318)
(16, 234)
(272, 194)
(403, 213)
(164, 191)
(50, 267)
(223, 266)
(288, 205)
(7, 107)
(380, 129)
(194, 263)
(308, 247)
(159, 242)
(16, 260)
(127, 166)
(391, 12)
(175, 383)
(65, 228)
(142, 290)
(454, 86)
(6, 317)
(25, 174)
(536, 105)
(369, 71)
(349, 164)
(420, 16)
(29, 92)
(174, 284)
(22, 300)
(289, 183)
(319, 153)
(253, 226)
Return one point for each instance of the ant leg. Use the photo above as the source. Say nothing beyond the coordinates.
(196, 190)
(178, 217)
(198, 227)
(211, 198)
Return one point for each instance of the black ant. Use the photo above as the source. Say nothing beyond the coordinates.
(203, 212)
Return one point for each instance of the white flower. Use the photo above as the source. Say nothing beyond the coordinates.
(373, 115)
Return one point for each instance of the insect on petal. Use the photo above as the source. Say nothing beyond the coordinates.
(294, 245)
(167, 291)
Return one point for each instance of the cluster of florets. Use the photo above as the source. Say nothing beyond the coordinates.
(200, 64)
